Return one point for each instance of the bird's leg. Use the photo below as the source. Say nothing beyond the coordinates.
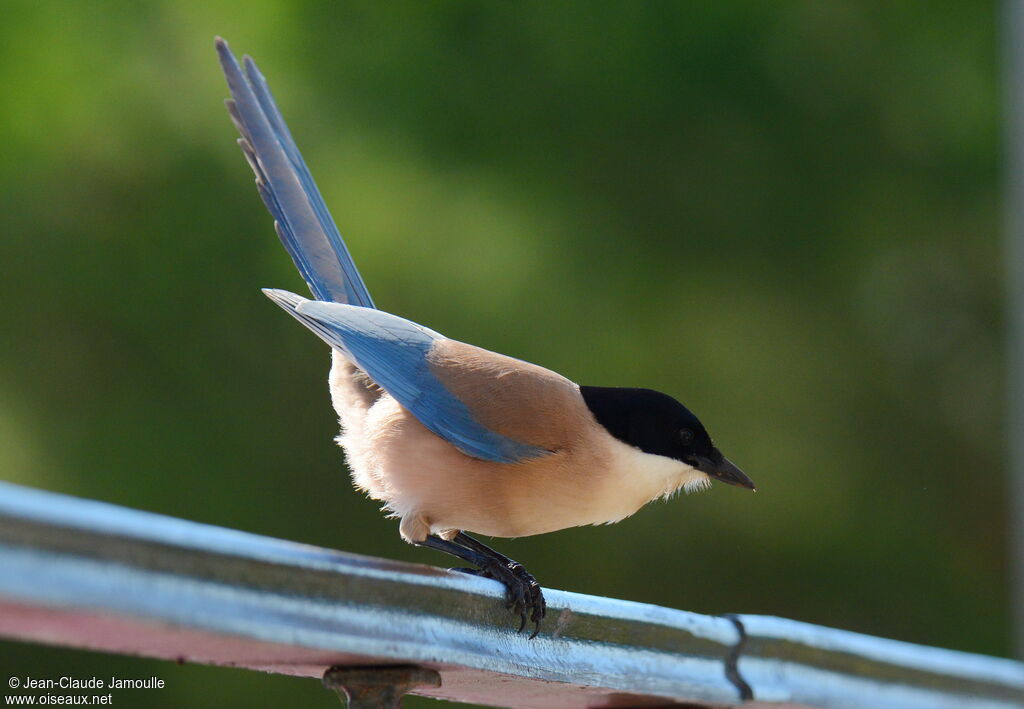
(532, 596)
(522, 590)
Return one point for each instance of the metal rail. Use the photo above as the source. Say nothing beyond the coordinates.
(92, 575)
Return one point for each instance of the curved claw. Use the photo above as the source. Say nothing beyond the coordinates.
(528, 598)
(540, 608)
(523, 595)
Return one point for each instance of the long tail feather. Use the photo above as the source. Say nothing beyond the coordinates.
(301, 218)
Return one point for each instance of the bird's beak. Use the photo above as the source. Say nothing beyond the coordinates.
(724, 470)
(727, 472)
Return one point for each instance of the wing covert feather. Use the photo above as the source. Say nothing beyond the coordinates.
(395, 352)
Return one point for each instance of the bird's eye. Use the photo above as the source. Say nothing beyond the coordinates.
(686, 435)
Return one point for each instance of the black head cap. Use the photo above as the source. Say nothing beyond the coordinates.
(658, 424)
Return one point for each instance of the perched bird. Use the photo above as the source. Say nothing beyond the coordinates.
(452, 438)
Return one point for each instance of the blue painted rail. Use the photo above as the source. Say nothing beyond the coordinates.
(88, 574)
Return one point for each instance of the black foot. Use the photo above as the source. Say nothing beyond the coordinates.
(523, 594)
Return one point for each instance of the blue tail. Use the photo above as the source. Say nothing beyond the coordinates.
(301, 217)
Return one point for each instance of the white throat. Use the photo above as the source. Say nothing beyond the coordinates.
(638, 478)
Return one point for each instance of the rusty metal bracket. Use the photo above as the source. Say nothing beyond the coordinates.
(378, 686)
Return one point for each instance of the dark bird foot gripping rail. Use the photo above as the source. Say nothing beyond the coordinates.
(92, 575)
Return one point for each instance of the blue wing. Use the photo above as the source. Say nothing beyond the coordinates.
(287, 188)
(393, 352)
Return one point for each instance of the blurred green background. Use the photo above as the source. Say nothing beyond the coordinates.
(785, 214)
